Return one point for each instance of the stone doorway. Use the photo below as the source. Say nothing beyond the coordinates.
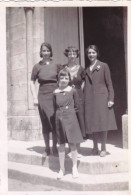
(104, 26)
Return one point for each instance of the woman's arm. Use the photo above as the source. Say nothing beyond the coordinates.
(33, 91)
(83, 84)
(54, 101)
(109, 86)
(34, 76)
(83, 77)
(76, 100)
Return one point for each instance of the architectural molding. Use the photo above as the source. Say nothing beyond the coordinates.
(81, 37)
(29, 49)
(29, 8)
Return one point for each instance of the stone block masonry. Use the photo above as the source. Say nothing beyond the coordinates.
(25, 33)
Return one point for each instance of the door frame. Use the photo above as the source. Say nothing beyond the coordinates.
(81, 36)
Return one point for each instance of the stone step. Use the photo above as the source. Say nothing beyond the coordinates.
(86, 182)
(31, 153)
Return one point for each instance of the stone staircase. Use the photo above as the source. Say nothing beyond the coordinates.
(95, 173)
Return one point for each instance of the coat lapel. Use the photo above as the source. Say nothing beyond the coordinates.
(95, 67)
(89, 73)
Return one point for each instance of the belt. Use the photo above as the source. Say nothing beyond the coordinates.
(65, 108)
(48, 82)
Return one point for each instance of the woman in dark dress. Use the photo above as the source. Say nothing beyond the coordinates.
(46, 74)
(76, 72)
(98, 100)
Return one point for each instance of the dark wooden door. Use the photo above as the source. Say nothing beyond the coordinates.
(61, 30)
(104, 27)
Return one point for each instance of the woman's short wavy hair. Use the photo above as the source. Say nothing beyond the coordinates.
(71, 48)
(64, 72)
(48, 46)
(95, 48)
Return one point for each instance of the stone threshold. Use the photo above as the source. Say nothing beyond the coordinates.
(86, 182)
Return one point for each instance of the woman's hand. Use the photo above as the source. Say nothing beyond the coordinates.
(83, 84)
(35, 101)
(110, 104)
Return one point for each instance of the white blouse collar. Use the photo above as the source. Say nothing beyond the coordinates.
(68, 88)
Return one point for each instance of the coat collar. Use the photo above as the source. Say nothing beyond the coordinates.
(96, 67)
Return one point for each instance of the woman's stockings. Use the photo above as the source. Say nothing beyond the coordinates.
(95, 141)
(61, 150)
(103, 140)
(74, 160)
(54, 138)
(46, 139)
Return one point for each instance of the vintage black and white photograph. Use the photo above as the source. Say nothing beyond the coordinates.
(67, 98)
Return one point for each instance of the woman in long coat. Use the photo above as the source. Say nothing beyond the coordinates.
(98, 100)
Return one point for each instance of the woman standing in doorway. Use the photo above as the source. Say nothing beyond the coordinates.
(98, 100)
(46, 74)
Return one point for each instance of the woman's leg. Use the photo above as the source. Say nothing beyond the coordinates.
(61, 150)
(78, 150)
(95, 144)
(103, 143)
(103, 140)
(47, 144)
(54, 149)
(74, 160)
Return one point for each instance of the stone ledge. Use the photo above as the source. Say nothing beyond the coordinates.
(125, 130)
(85, 182)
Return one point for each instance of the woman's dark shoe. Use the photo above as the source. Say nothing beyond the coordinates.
(46, 152)
(95, 151)
(55, 151)
(102, 153)
(86, 137)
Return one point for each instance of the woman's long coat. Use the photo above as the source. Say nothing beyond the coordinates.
(98, 91)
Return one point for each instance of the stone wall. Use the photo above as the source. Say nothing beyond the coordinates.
(23, 118)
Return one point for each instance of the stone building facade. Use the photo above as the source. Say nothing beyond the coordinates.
(28, 27)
